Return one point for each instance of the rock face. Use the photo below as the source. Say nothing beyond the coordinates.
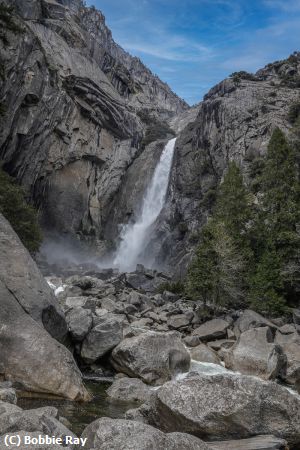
(154, 357)
(82, 156)
(234, 123)
(109, 434)
(256, 354)
(226, 406)
(21, 277)
(31, 357)
(29, 312)
(71, 155)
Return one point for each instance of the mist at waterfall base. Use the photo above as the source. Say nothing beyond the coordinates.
(136, 236)
(65, 250)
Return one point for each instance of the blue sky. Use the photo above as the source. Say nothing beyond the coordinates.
(194, 44)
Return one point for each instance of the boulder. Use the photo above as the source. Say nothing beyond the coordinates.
(251, 319)
(256, 354)
(191, 341)
(45, 420)
(31, 357)
(116, 434)
(296, 316)
(255, 443)
(106, 335)
(152, 356)
(202, 353)
(178, 321)
(281, 338)
(76, 302)
(292, 352)
(221, 344)
(22, 278)
(213, 329)
(226, 406)
(8, 395)
(287, 329)
(80, 322)
(129, 389)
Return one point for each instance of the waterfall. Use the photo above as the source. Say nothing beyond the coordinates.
(135, 236)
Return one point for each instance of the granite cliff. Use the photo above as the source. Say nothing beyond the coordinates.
(74, 118)
(79, 113)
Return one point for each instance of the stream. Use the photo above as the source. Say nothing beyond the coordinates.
(82, 414)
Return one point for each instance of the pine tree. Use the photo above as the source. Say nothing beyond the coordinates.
(266, 291)
(22, 217)
(202, 275)
(218, 271)
(276, 240)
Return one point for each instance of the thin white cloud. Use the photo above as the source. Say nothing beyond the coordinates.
(184, 51)
(288, 6)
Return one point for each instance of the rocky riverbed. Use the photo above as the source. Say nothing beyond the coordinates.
(180, 374)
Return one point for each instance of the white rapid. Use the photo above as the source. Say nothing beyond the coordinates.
(135, 236)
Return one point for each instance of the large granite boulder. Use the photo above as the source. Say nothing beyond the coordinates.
(116, 434)
(226, 406)
(31, 357)
(251, 319)
(22, 278)
(152, 356)
(256, 354)
(203, 353)
(213, 329)
(106, 335)
(292, 352)
(80, 322)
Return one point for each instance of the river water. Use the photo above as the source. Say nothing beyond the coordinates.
(82, 414)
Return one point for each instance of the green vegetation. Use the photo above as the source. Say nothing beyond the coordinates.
(294, 113)
(218, 271)
(22, 217)
(249, 251)
(242, 75)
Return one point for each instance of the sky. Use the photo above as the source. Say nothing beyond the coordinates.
(194, 44)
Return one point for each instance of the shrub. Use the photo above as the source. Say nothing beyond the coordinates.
(294, 113)
(22, 217)
(242, 75)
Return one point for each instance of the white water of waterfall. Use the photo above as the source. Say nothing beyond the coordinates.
(135, 236)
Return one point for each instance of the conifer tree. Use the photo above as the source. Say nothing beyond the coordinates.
(218, 272)
(276, 280)
(22, 217)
